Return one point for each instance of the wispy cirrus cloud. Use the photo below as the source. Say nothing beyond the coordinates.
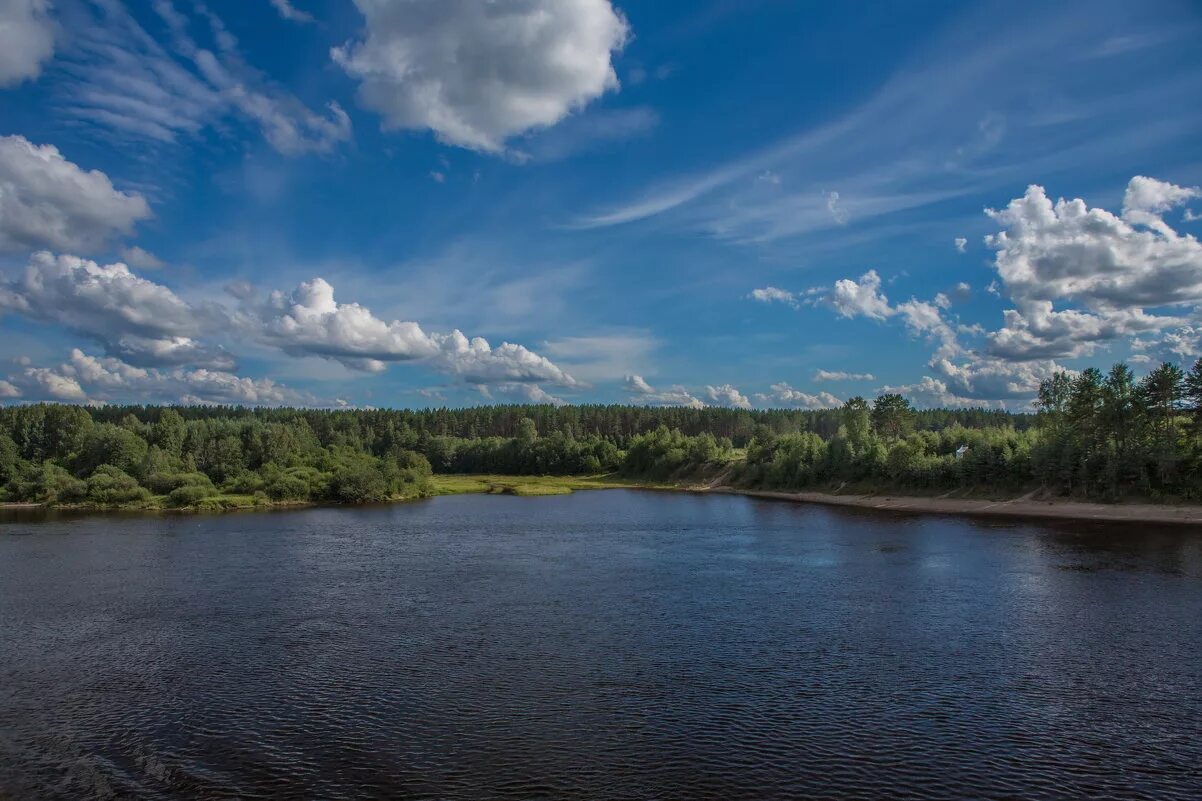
(186, 76)
(929, 135)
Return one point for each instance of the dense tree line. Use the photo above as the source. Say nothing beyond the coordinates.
(1094, 435)
(617, 424)
(65, 455)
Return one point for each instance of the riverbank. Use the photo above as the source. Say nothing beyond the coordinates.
(444, 484)
(534, 486)
(1025, 507)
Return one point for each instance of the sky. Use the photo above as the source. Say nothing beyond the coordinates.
(742, 203)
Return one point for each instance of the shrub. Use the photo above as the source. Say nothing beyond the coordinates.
(287, 487)
(111, 486)
(163, 483)
(190, 495)
(358, 484)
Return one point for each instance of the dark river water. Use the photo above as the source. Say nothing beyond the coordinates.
(607, 645)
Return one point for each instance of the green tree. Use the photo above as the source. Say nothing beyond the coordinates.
(857, 420)
(1193, 394)
(892, 416)
(1118, 417)
(108, 444)
(1161, 393)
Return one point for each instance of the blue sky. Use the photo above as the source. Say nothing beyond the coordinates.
(754, 203)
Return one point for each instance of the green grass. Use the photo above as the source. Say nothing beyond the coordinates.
(528, 486)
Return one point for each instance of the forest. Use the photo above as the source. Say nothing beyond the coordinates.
(1092, 435)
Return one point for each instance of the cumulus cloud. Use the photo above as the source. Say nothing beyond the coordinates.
(49, 202)
(961, 244)
(134, 318)
(84, 377)
(1068, 251)
(930, 393)
(771, 294)
(26, 39)
(783, 395)
(1115, 266)
(1147, 198)
(862, 298)
(839, 375)
(727, 395)
(638, 385)
(476, 362)
(478, 73)
(309, 322)
(672, 396)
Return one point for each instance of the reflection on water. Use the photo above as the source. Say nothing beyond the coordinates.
(600, 645)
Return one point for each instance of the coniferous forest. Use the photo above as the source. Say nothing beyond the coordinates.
(1092, 435)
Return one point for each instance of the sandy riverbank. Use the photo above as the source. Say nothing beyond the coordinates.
(1019, 507)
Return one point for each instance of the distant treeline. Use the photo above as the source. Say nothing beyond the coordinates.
(1094, 435)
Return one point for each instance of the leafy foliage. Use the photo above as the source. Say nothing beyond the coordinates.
(1094, 435)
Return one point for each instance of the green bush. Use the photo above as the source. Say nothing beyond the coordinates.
(163, 483)
(190, 495)
(358, 484)
(111, 486)
(287, 487)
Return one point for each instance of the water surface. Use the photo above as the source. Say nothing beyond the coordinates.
(601, 645)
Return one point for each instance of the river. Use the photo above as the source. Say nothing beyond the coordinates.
(603, 645)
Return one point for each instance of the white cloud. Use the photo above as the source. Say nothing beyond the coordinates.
(987, 378)
(478, 73)
(42, 383)
(862, 298)
(290, 12)
(836, 210)
(84, 377)
(141, 258)
(1147, 198)
(930, 393)
(672, 396)
(839, 375)
(476, 362)
(783, 395)
(26, 39)
(309, 322)
(961, 244)
(47, 201)
(771, 294)
(1114, 266)
(727, 395)
(530, 393)
(1040, 332)
(132, 317)
(1068, 251)
(9, 390)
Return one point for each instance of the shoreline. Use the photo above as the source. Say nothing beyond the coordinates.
(1084, 511)
(539, 486)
